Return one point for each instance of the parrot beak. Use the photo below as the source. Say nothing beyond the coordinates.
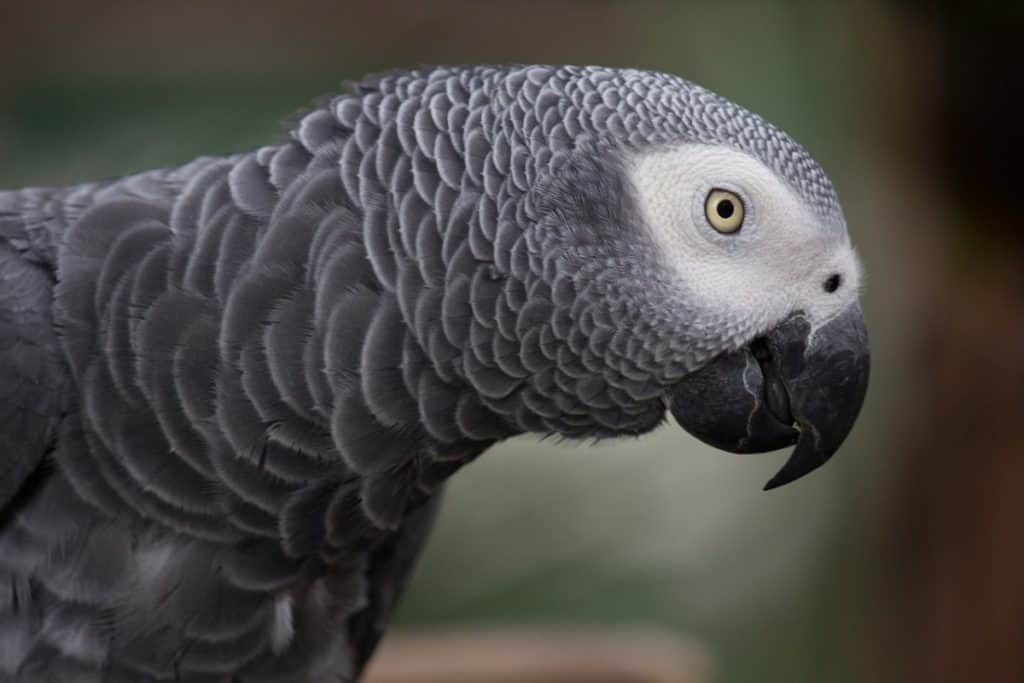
(796, 384)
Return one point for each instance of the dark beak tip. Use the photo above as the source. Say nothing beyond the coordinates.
(781, 478)
(790, 472)
(830, 387)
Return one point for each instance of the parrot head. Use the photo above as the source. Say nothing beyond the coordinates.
(698, 263)
(781, 279)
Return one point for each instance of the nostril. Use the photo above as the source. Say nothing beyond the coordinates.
(759, 349)
(833, 282)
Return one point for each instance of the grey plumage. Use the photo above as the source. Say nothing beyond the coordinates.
(245, 380)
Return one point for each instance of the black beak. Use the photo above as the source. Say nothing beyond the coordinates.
(794, 385)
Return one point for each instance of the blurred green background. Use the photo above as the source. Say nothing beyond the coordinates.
(898, 561)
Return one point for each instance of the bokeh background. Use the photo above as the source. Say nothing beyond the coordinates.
(903, 560)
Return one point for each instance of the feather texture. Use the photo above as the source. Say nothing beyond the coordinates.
(254, 373)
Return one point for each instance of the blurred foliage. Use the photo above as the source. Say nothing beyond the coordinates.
(782, 586)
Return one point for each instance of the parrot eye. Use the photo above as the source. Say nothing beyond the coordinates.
(724, 210)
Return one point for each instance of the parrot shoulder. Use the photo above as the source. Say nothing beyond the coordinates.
(32, 376)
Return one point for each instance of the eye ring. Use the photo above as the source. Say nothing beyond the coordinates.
(724, 210)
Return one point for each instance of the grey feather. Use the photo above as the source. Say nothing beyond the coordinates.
(250, 376)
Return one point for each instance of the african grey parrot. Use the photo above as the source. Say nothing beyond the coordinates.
(232, 391)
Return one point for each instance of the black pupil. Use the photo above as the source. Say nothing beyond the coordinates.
(725, 208)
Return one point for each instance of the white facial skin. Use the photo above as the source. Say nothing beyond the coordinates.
(748, 281)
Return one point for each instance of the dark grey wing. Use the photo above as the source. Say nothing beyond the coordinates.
(390, 569)
(32, 377)
(34, 381)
